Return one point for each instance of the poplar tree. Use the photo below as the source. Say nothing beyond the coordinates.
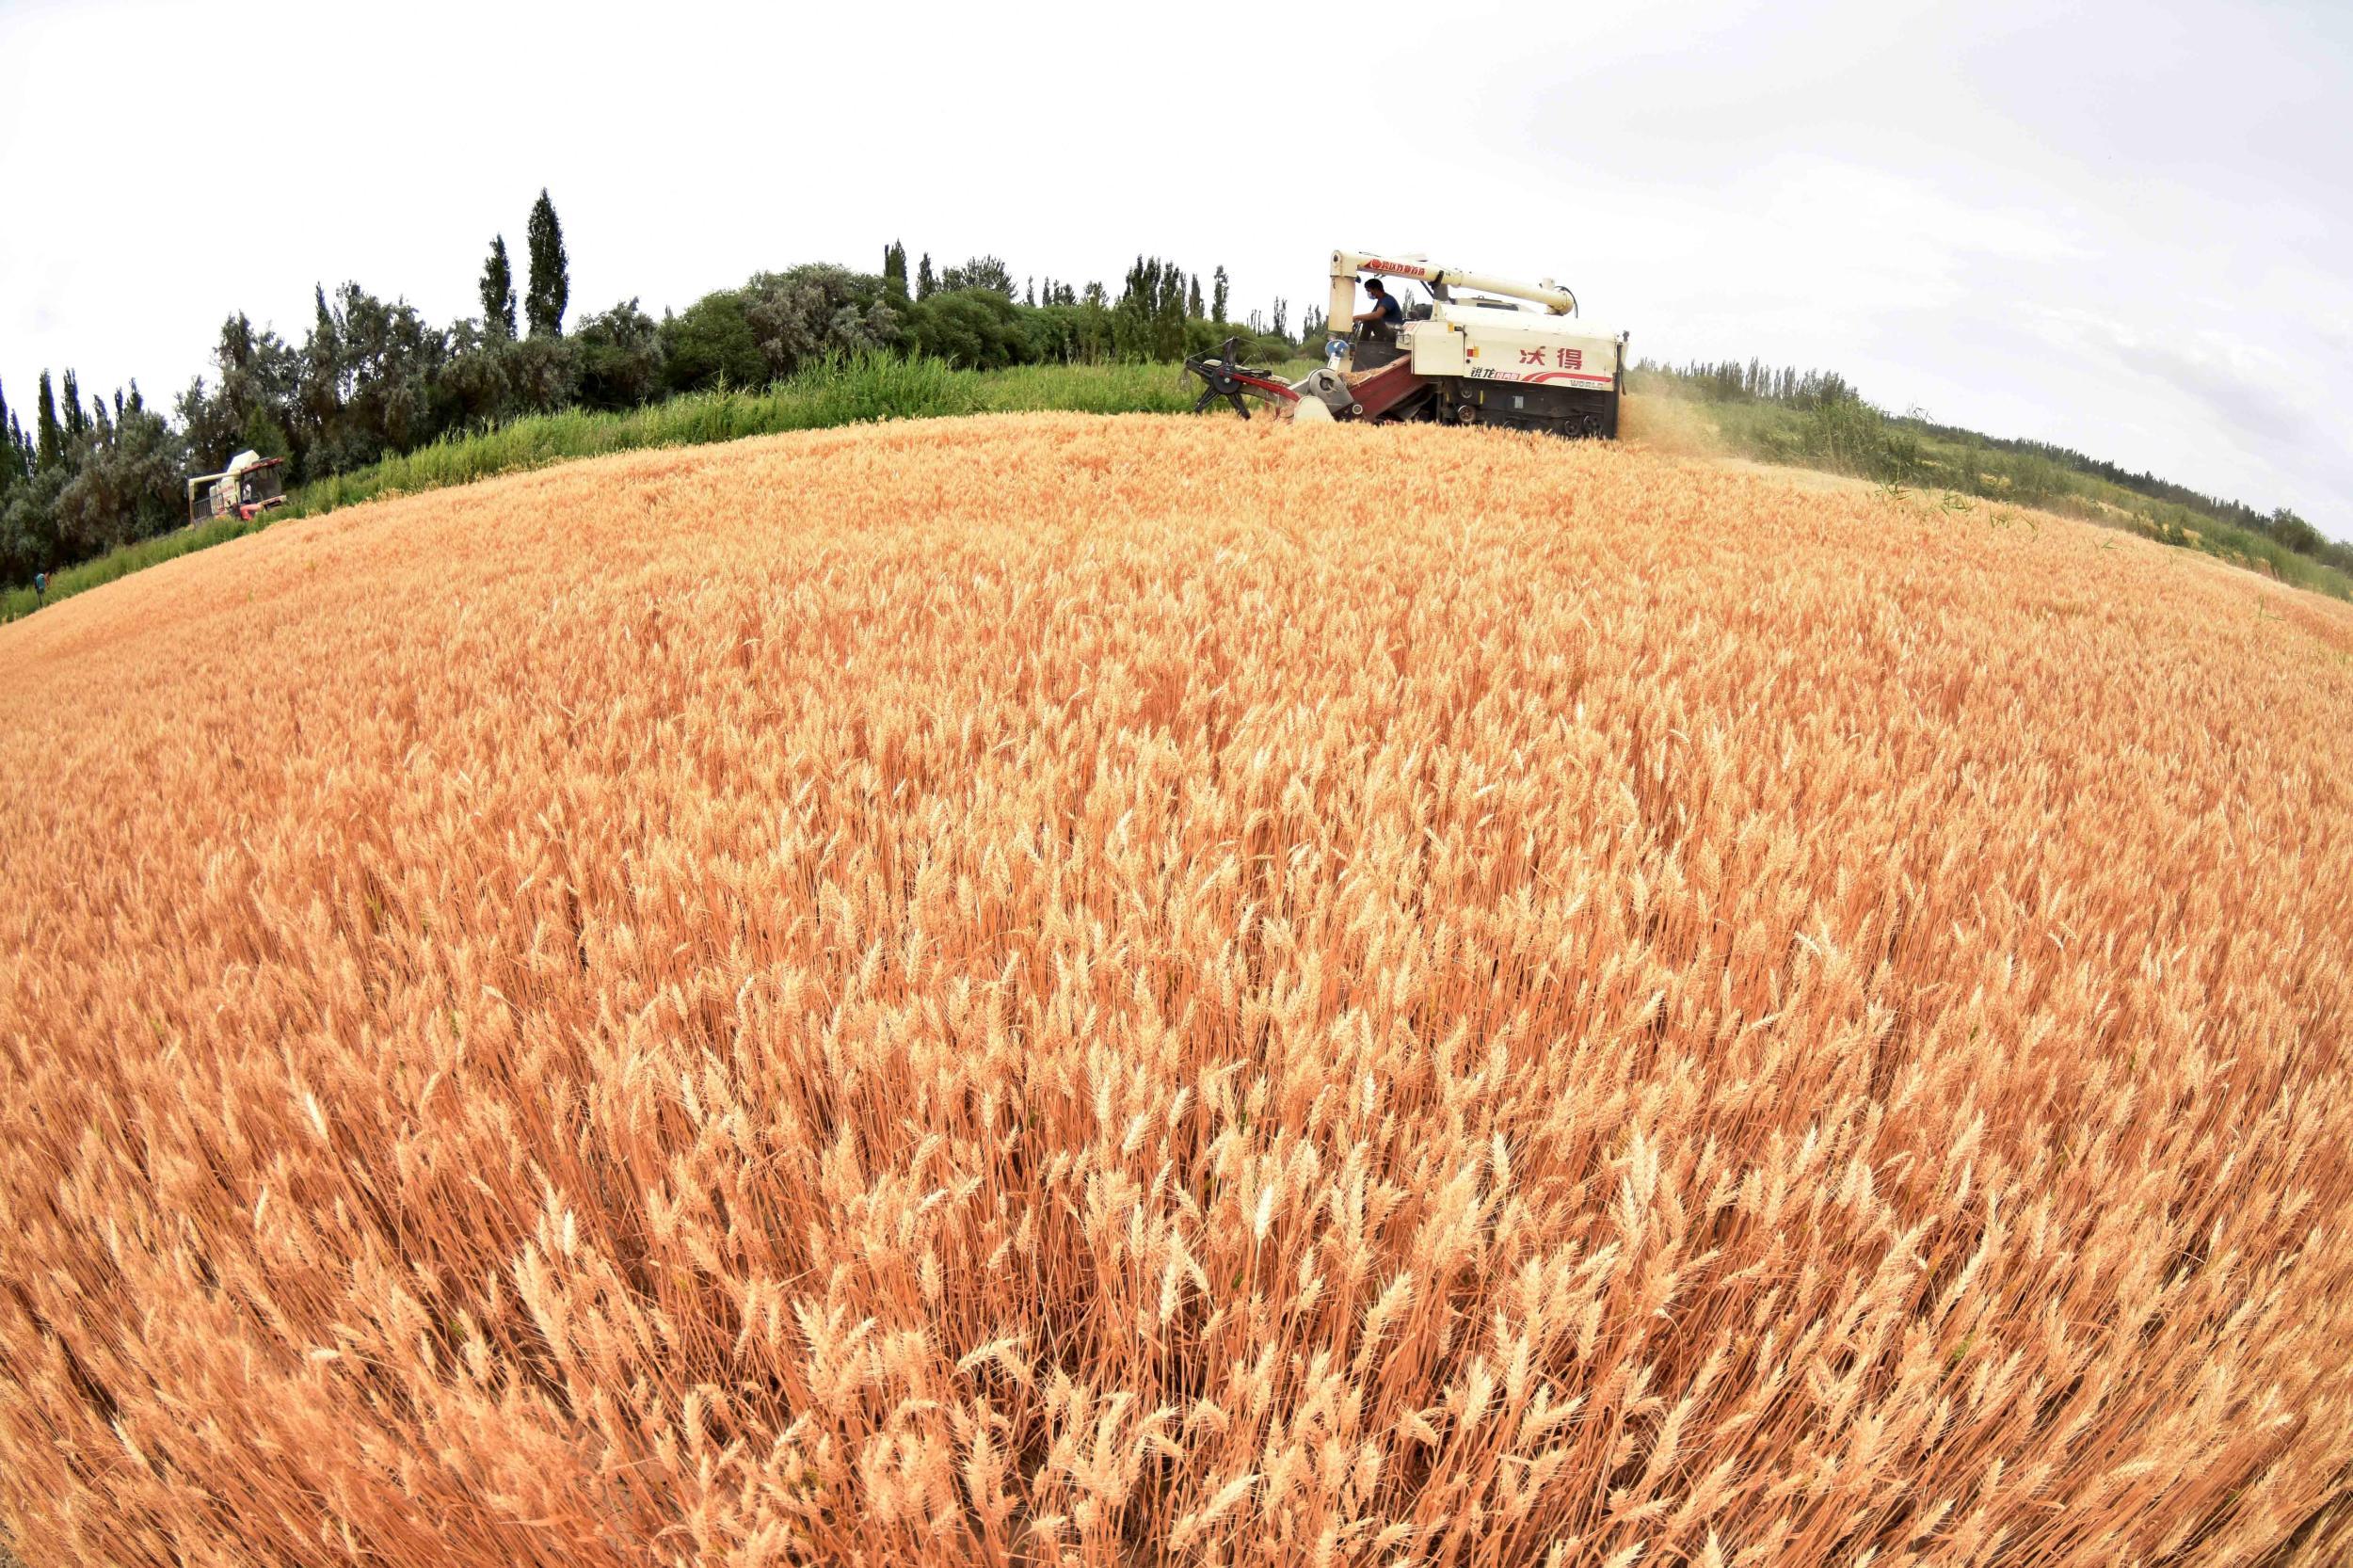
(1192, 299)
(926, 284)
(895, 267)
(1217, 296)
(76, 417)
(498, 291)
(551, 273)
(49, 441)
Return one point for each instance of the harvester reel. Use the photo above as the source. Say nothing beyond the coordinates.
(1223, 377)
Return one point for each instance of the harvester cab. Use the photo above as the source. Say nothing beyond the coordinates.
(1479, 350)
(250, 485)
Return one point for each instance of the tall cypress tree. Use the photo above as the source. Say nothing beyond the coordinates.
(1217, 296)
(320, 392)
(70, 410)
(1192, 299)
(498, 291)
(1168, 319)
(11, 470)
(49, 441)
(925, 283)
(551, 273)
(895, 268)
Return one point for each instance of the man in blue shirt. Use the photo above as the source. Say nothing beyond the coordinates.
(1385, 311)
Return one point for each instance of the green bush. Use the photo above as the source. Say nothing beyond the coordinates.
(619, 358)
(969, 328)
(1847, 435)
(711, 343)
(811, 313)
(1066, 334)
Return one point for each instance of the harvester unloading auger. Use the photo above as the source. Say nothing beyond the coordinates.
(1475, 360)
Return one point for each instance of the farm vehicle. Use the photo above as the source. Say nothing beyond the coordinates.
(250, 485)
(1477, 349)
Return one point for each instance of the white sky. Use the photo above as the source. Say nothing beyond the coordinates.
(2117, 226)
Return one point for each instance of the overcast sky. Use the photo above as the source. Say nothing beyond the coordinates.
(2120, 227)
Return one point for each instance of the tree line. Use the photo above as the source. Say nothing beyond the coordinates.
(373, 378)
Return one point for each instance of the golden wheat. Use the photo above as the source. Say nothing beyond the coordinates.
(1126, 991)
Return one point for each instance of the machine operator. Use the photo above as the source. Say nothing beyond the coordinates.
(1386, 314)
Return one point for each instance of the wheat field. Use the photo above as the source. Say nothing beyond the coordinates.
(1137, 991)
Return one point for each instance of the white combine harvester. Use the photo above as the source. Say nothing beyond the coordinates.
(1468, 354)
(250, 486)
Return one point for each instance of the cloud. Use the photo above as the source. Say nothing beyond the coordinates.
(2253, 407)
(2262, 402)
(2253, 391)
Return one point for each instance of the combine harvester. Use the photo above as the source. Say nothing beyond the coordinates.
(250, 486)
(1464, 360)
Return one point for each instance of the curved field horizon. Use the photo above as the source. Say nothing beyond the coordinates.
(1115, 990)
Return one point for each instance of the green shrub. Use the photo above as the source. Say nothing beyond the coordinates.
(619, 358)
(969, 328)
(711, 343)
